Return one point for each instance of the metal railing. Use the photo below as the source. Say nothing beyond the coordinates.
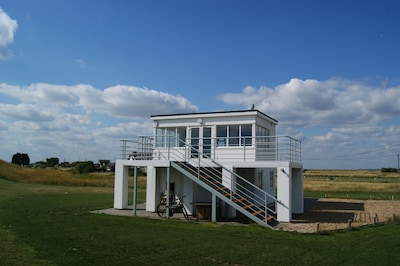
(266, 148)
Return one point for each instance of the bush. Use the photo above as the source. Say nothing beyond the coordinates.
(388, 170)
(20, 159)
(84, 168)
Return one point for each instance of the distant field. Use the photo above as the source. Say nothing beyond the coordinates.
(356, 184)
(350, 174)
(60, 176)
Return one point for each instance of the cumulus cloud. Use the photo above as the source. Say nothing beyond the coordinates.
(118, 101)
(8, 28)
(306, 103)
(79, 119)
(332, 118)
(25, 112)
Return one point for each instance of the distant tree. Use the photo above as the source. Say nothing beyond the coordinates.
(65, 164)
(84, 167)
(20, 159)
(39, 164)
(53, 161)
(388, 170)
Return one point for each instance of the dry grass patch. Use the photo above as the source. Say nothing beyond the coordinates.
(350, 173)
(60, 176)
(313, 185)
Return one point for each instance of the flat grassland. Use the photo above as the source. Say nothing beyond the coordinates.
(357, 184)
(43, 224)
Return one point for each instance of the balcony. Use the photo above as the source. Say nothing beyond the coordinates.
(246, 149)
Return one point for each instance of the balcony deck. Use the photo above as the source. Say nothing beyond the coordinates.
(256, 150)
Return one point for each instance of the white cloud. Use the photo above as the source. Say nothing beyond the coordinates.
(25, 112)
(81, 63)
(129, 101)
(307, 103)
(8, 28)
(78, 122)
(332, 118)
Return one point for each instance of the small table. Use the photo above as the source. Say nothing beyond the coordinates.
(203, 211)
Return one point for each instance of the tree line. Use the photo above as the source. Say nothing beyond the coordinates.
(80, 167)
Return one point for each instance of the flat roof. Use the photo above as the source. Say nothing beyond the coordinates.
(218, 112)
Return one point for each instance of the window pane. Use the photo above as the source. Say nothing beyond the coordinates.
(246, 135)
(159, 137)
(171, 137)
(221, 136)
(234, 135)
(181, 136)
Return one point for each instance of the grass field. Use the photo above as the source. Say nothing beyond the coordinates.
(44, 224)
(355, 184)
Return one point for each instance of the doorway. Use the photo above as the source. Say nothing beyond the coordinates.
(200, 141)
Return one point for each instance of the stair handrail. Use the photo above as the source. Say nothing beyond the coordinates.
(211, 163)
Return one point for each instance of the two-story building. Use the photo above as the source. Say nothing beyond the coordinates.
(230, 159)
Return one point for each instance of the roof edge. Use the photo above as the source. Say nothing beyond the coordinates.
(217, 112)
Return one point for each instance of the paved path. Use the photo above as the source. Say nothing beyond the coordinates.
(140, 211)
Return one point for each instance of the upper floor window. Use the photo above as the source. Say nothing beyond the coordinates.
(262, 139)
(234, 135)
(170, 137)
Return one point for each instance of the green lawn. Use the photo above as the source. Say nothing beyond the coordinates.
(51, 225)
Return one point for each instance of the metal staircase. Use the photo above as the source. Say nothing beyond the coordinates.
(245, 197)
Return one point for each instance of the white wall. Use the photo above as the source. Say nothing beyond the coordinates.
(298, 190)
(284, 194)
(120, 186)
(151, 202)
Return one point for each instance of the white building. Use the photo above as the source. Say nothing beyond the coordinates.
(232, 160)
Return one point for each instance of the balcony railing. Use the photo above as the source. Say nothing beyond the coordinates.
(167, 147)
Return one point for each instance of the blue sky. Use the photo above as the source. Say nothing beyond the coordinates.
(77, 76)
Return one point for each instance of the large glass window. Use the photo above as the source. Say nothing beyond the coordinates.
(170, 137)
(234, 135)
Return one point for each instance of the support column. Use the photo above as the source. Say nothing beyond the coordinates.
(213, 208)
(168, 192)
(298, 191)
(134, 190)
(151, 189)
(121, 185)
(284, 194)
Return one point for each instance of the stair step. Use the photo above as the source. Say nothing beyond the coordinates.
(239, 200)
(257, 212)
(248, 206)
(269, 218)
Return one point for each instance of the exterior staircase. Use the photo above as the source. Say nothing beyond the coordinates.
(241, 196)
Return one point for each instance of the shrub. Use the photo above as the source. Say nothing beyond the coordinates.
(388, 170)
(84, 167)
